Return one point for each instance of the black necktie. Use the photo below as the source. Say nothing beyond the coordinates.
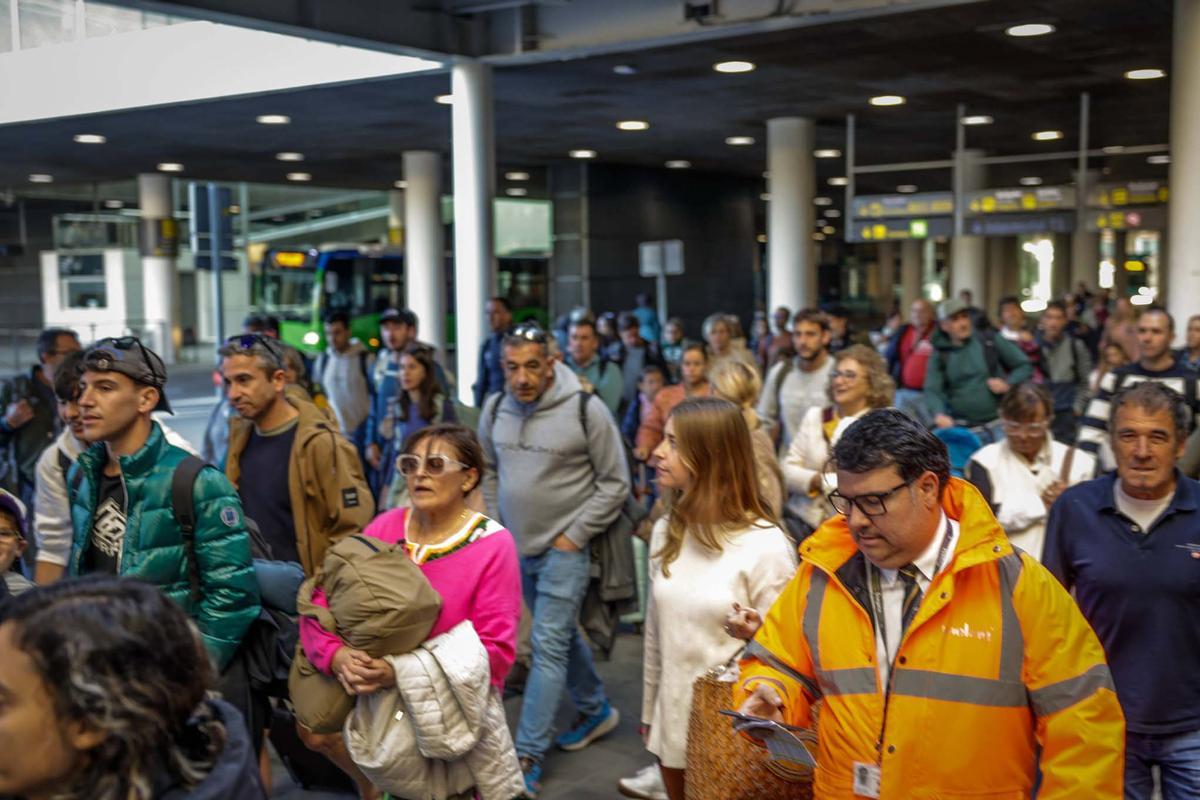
(912, 595)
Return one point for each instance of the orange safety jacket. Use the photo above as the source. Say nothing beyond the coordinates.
(997, 661)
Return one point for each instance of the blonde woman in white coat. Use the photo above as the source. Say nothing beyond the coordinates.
(858, 383)
(718, 549)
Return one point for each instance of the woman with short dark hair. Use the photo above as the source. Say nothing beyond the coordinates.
(104, 696)
(1024, 473)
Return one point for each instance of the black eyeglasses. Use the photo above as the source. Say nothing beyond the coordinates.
(872, 505)
(531, 332)
(115, 348)
(250, 341)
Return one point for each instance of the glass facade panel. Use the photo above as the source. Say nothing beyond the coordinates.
(6, 25)
(102, 20)
(45, 22)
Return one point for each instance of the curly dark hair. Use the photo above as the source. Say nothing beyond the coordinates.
(889, 437)
(116, 655)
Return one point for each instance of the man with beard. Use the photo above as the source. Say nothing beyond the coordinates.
(797, 384)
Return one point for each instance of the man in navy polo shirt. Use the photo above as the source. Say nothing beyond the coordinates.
(1129, 545)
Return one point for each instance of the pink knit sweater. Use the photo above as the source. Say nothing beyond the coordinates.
(480, 582)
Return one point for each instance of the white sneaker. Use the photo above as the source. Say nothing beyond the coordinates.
(647, 784)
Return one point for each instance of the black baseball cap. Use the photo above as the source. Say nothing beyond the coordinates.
(401, 315)
(128, 356)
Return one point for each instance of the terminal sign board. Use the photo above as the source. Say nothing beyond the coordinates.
(1123, 195)
(925, 204)
(1127, 219)
(1009, 201)
(1018, 224)
(889, 230)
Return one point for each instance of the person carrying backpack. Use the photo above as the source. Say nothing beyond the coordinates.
(122, 511)
(344, 371)
(969, 371)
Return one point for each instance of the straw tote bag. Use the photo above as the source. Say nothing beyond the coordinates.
(721, 763)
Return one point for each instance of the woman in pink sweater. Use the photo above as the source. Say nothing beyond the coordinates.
(470, 560)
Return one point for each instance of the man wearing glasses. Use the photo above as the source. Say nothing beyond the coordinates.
(299, 478)
(121, 508)
(556, 477)
(949, 664)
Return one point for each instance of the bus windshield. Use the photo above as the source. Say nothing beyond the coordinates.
(288, 292)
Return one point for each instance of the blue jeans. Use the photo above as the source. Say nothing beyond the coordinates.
(1177, 757)
(912, 402)
(554, 584)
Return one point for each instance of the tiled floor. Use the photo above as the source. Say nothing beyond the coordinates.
(589, 774)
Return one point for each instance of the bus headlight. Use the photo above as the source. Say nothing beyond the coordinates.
(312, 338)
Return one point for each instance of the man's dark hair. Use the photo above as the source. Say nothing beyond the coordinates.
(1057, 304)
(627, 321)
(253, 323)
(887, 437)
(585, 323)
(1152, 396)
(643, 299)
(337, 316)
(47, 340)
(1007, 300)
(502, 301)
(812, 316)
(270, 322)
(66, 377)
(650, 369)
(1157, 309)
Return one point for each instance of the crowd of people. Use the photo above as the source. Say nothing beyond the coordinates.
(966, 553)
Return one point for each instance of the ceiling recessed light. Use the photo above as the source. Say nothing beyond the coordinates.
(832, 213)
(170, 166)
(838, 181)
(633, 125)
(818, 236)
(906, 188)
(977, 119)
(1047, 136)
(582, 154)
(678, 163)
(90, 138)
(1161, 158)
(625, 69)
(822, 201)
(444, 99)
(114, 204)
(516, 176)
(299, 176)
(273, 119)
(739, 141)
(831, 153)
(40, 178)
(1145, 74)
(888, 100)
(516, 191)
(734, 67)
(765, 197)
(1113, 149)
(1032, 180)
(1030, 29)
(400, 184)
(235, 209)
(290, 156)
(829, 230)
(761, 238)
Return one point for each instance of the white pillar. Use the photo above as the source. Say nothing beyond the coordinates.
(395, 231)
(912, 278)
(425, 274)
(792, 274)
(474, 159)
(1183, 273)
(160, 281)
(967, 252)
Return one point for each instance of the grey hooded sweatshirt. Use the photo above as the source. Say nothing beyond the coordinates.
(544, 475)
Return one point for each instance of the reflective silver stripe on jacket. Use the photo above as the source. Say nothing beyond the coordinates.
(857, 680)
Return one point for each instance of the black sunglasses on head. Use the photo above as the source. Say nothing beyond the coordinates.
(249, 341)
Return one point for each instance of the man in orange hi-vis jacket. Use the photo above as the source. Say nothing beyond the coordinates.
(948, 664)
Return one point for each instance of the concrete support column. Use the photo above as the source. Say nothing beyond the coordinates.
(967, 252)
(912, 278)
(885, 276)
(395, 231)
(474, 178)
(1183, 272)
(425, 272)
(160, 280)
(998, 248)
(791, 266)
(1120, 276)
(1085, 246)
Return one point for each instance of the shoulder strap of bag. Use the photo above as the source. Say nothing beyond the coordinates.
(987, 338)
(583, 423)
(183, 503)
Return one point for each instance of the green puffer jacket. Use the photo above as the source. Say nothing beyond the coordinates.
(153, 550)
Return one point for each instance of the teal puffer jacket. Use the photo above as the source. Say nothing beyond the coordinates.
(153, 549)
